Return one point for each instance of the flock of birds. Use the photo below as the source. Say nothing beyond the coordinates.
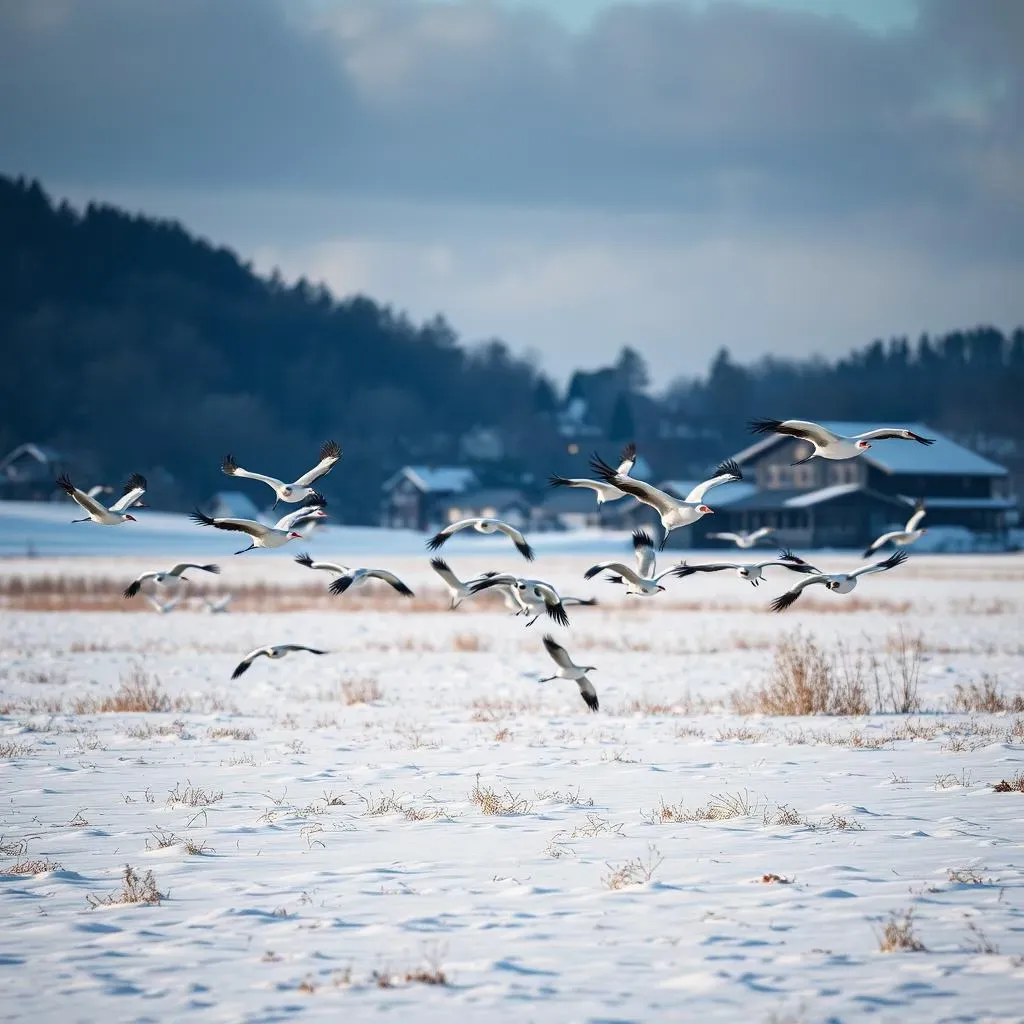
(524, 596)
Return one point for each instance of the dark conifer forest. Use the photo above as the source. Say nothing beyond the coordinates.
(132, 344)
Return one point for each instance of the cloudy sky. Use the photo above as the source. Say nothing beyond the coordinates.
(787, 176)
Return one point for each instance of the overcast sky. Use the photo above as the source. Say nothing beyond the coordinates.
(787, 176)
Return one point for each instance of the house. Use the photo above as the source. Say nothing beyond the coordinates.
(567, 508)
(414, 496)
(505, 503)
(29, 472)
(848, 503)
(234, 505)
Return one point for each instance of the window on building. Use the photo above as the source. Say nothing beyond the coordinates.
(803, 477)
(776, 478)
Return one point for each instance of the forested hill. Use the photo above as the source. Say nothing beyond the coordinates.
(134, 344)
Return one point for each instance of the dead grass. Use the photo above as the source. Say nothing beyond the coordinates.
(469, 642)
(504, 804)
(968, 876)
(806, 679)
(139, 691)
(228, 733)
(192, 796)
(364, 690)
(1015, 784)
(638, 871)
(986, 696)
(384, 804)
(134, 889)
(720, 807)
(898, 934)
(494, 709)
(161, 840)
(770, 878)
(33, 867)
(12, 748)
(147, 730)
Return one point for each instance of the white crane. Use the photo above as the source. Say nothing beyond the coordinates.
(640, 582)
(330, 452)
(97, 513)
(604, 491)
(272, 651)
(458, 591)
(673, 512)
(534, 596)
(743, 540)
(167, 578)
(217, 606)
(828, 445)
(839, 582)
(567, 669)
(358, 577)
(901, 538)
(263, 536)
(482, 525)
(752, 572)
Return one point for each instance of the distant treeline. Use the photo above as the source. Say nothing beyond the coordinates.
(131, 344)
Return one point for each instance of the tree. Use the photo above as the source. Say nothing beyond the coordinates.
(621, 426)
(631, 370)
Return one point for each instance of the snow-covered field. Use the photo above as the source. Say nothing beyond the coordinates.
(342, 862)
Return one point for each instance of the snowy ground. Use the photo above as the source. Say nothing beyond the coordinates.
(306, 902)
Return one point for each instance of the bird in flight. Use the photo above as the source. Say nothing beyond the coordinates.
(828, 445)
(97, 513)
(482, 525)
(272, 651)
(301, 488)
(169, 577)
(839, 582)
(604, 491)
(567, 669)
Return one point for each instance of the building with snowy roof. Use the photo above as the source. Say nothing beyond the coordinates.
(415, 497)
(848, 503)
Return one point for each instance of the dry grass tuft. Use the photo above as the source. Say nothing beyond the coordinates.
(11, 749)
(33, 867)
(720, 807)
(968, 876)
(192, 796)
(134, 889)
(808, 680)
(491, 802)
(637, 871)
(147, 730)
(490, 709)
(139, 691)
(1015, 784)
(235, 733)
(986, 696)
(162, 840)
(12, 847)
(470, 642)
(772, 879)
(364, 690)
(898, 935)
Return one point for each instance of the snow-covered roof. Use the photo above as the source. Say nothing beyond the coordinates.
(896, 456)
(822, 494)
(435, 479)
(39, 452)
(233, 505)
(723, 494)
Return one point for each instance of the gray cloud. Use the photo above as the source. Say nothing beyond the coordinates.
(669, 178)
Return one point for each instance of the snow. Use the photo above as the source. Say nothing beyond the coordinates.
(302, 894)
(822, 494)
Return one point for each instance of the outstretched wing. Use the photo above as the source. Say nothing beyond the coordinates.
(311, 505)
(803, 429)
(795, 561)
(330, 452)
(341, 584)
(627, 459)
(726, 471)
(517, 538)
(232, 468)
(91, 505)
(588, 693)
(914, 521)
(552, 603)
(895, 559)
(443, 569)
(617, 567)
(557, 651)
(684, 570)
(761, 531)
(392, 579)
(185, 566)
(900, 433)
(301, 647)
(734, 537)
(248, 526)
(643, 549)
(133, 588)
(133, 490)
(640, 490)
(783, 601)
(442, 535)
(243, 665)
(501, 579)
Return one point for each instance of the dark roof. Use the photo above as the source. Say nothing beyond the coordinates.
(575, 500)
(496, 497)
